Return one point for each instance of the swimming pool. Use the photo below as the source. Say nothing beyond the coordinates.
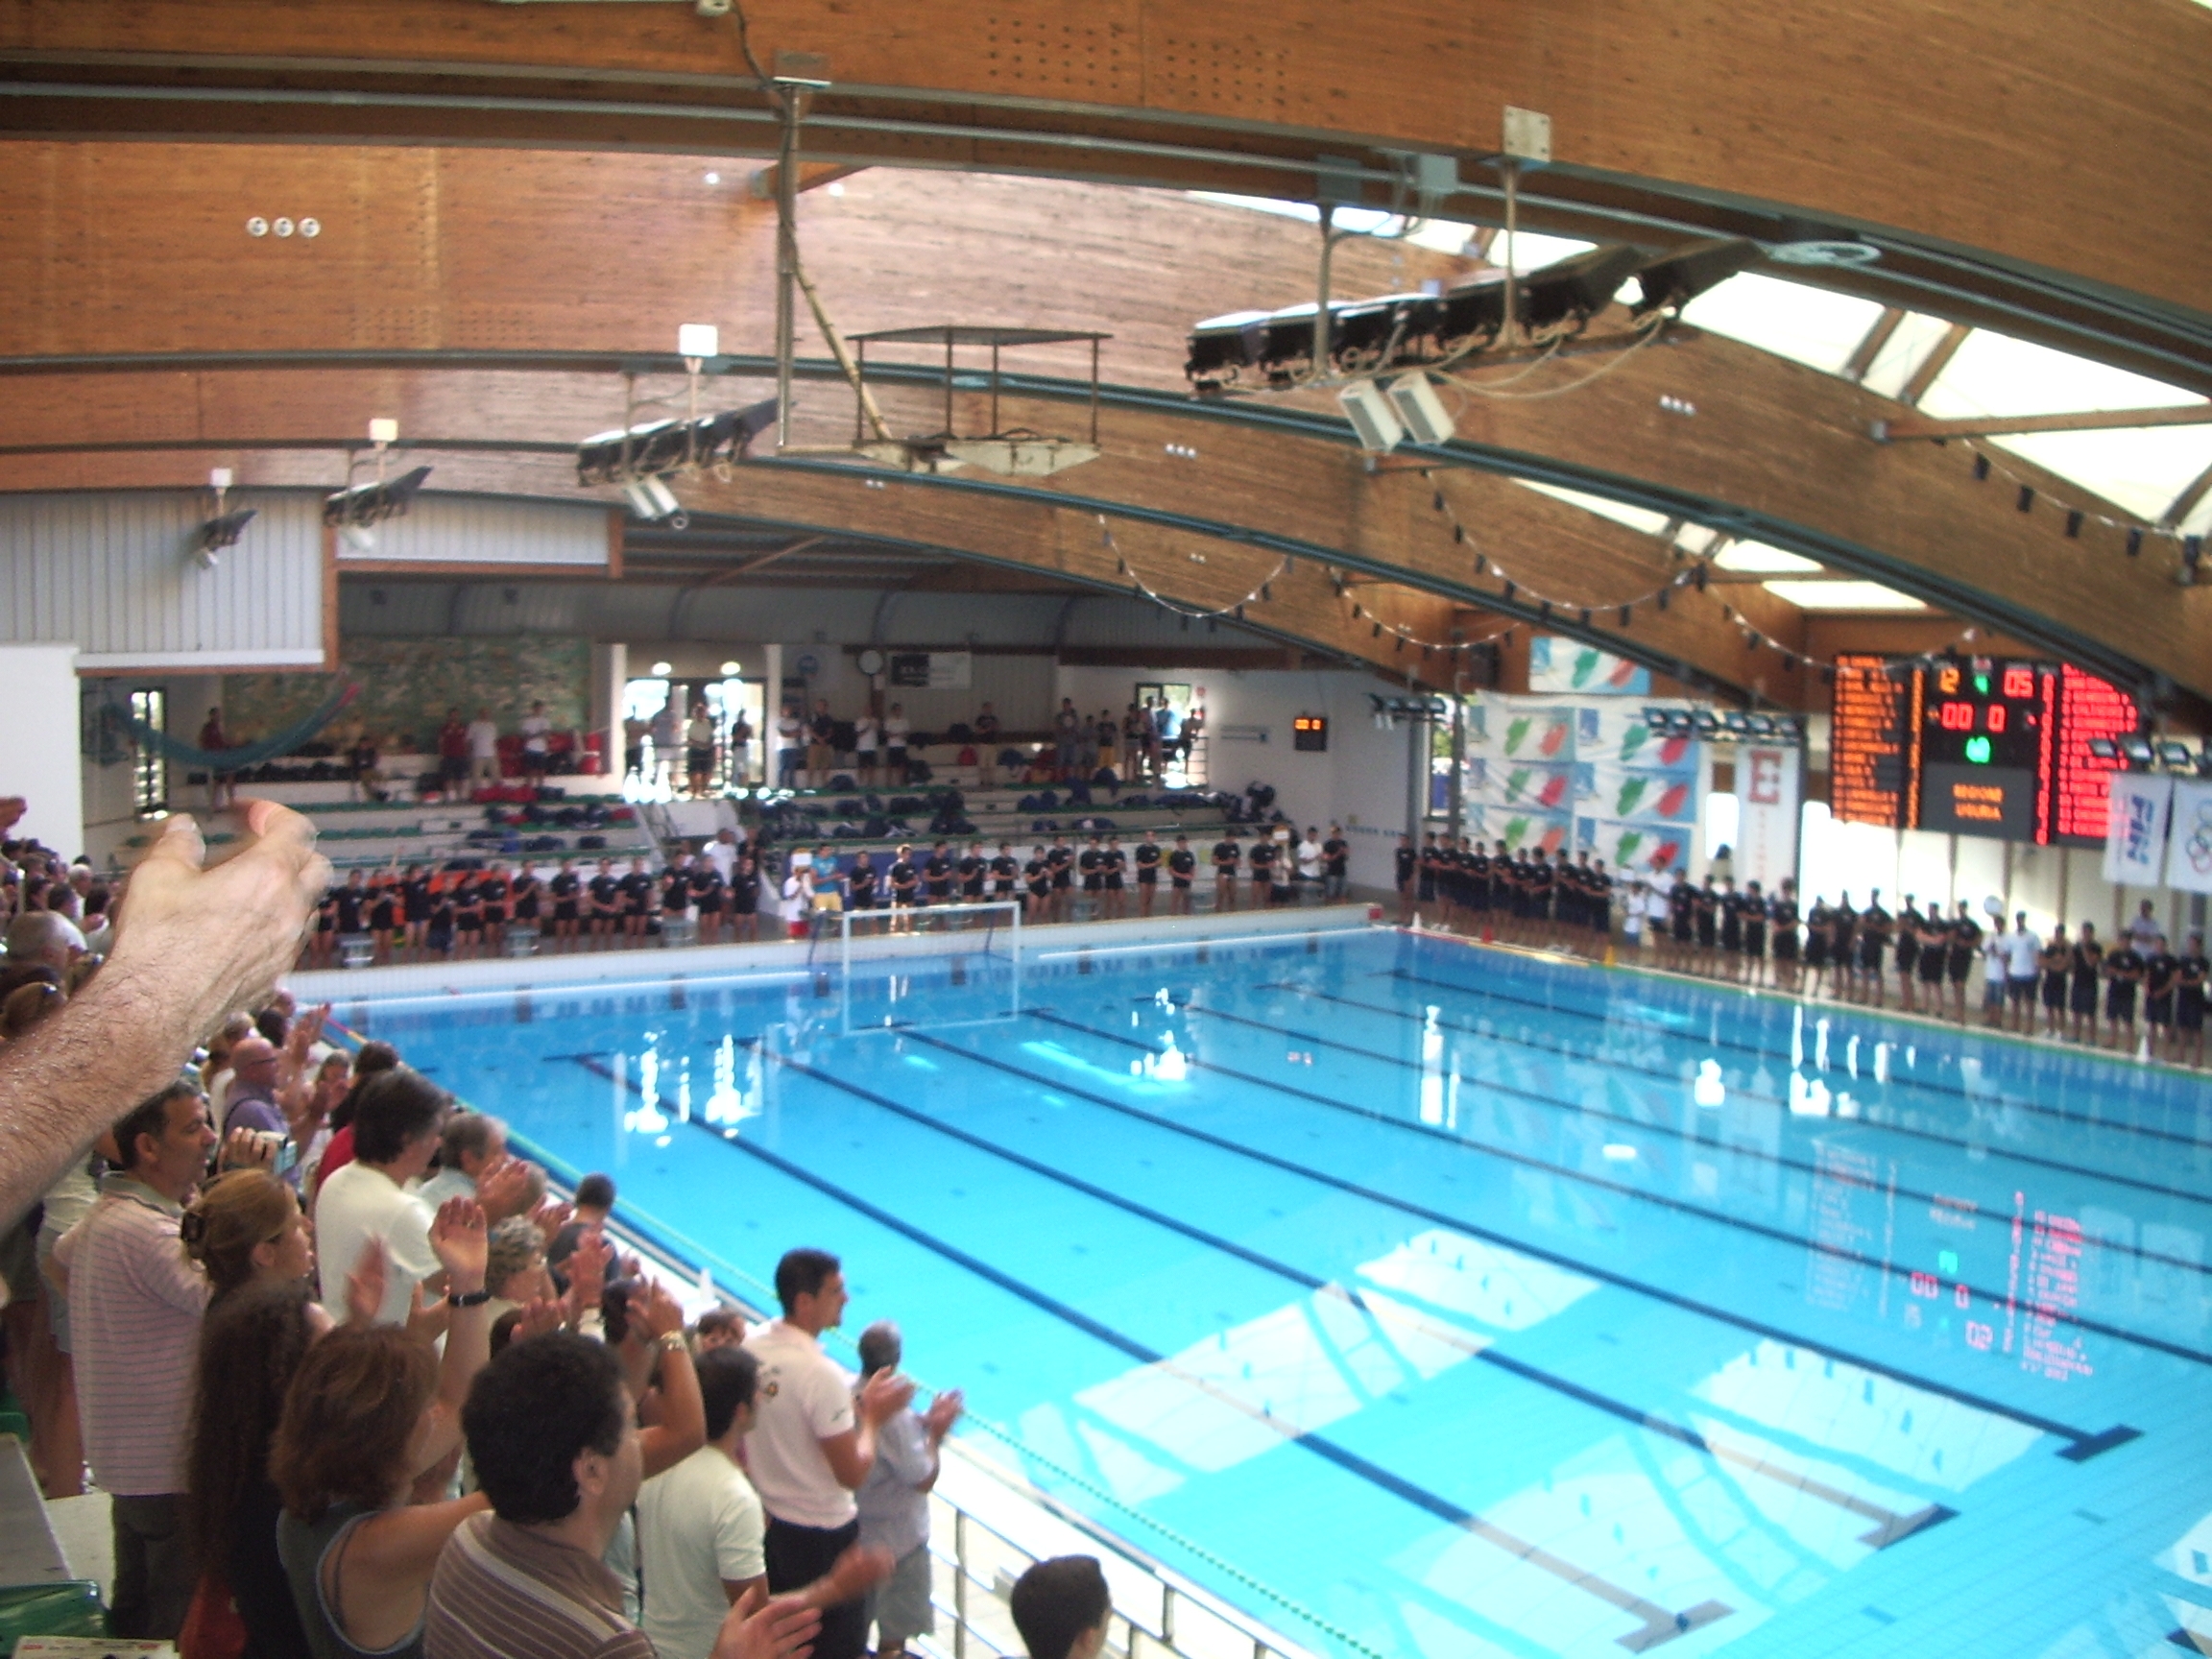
(1467, 1303)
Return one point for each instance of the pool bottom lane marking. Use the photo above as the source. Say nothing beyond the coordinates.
(1569, 1056)
(2079, 1443)
(1659, 1625)
(1680, 1206)
(1889, 1525)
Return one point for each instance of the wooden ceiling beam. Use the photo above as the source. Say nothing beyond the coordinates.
(1937, 359)
(1905, 426)
(1246, 96)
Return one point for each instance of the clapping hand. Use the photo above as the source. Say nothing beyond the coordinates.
(758, 1628)
(365, 1284)
(538, 1317)
(503, 1189)
(944, 1411)
(884, 1395)
(654, 1311)
(458, 1239)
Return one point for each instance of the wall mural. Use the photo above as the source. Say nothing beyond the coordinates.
(407, 686)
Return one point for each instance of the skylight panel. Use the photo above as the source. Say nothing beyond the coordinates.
(1842, 596)
(1996, 374)
(1756, 557)
(1639, 518)
(1792, 319)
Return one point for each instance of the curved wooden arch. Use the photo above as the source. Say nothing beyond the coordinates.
(1666, 122)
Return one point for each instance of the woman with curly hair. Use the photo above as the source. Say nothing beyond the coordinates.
(246, 1228)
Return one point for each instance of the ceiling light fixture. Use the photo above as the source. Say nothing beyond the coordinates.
(224, 529)
(356, 510)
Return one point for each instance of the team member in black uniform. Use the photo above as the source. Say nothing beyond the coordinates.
(1755, 914)
(1934, 953)
(1874, 925)
(1910, 922)
(1843, 946)
(1819, 924)
(495, 890)
(1279, 875)
(676, 892)
(1182, 870)
(1037, 877)
(1681, 921)
(414, 908)
(2123, 973)
(1091, 867)
(325, 928)
(2161, 976)
(467, 916)
(711, 897)
(1407, 862)
(1599, 887)
(1705, 906)
(1478, 888)
(1114, 864)
(937, 874)
(974, 872)
(1782, 916)
(741, 900)
(1729, 905)
(2189, 997)
(1963, 957)
(1336, 865)
(349, 907)
(1261, 861)
(2055, 959)
(440, 938)
(1426, 895)
(603, 897)
(565, 889)
(637, 901)
(1228, 855)
(905, 880)
(1148, 859)
(2088, 969)
(1005, 874)
(861, 883)
(525, 893)
(1062, 858)
(384, 912)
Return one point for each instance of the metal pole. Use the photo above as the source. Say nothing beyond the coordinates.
(1416, 777)
(786, 260)
(959, 1584)
(1512, 214)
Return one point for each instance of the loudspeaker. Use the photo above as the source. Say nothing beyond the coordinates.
(1370, 414)
(1420, 410)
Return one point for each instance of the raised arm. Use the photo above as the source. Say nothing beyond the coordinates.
(191, 943)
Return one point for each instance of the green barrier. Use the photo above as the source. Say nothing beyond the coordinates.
(71, 1609)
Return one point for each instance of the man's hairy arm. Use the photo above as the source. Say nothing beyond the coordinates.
(191, 945)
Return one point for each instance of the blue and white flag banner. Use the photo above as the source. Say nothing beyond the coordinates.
(2135, 833)
(2189, 850)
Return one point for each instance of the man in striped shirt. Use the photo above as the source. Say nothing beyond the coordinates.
(134, 1309)
(553, 1438)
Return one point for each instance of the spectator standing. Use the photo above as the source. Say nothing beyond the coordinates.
(1060, 1608)
(821, 744)
(867, 745)
(668, 735)
(136, 1304)
(2022, 972)
(1312, 858)
(987, 738)
(473, 1144)
(739, 753)
(700, 1525)
(484, 747)
(635, 732)
(397, 1116)
(1068, 738)
(814, 1441)
(1336, 865)
(594, 1205)
(553, 1436)
(453, 751)
(537, 742)
(222, 787)
(897, 734)
(893, 1500)
(699, 749)
(790, 747)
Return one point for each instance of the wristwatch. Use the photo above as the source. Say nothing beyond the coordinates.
(473, 1299)
(671, 1343)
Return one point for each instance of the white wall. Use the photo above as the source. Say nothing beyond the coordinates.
(1358, 781)
(39, 761)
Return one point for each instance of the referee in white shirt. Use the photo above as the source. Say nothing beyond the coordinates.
(809, 1448)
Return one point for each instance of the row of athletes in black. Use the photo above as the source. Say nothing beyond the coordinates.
(1524, 894)
(1850, 952)
(1102, 869)
(2072, 971)
(419, 914)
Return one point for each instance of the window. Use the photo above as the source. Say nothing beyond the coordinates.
(149, 773)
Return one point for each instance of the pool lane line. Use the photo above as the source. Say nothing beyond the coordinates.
(1929, 1135)
(1889, 1525)
(1663, 1129)
(1659, 1626)
(1951, 1097)
(1680, 1206)
(2080, 1444)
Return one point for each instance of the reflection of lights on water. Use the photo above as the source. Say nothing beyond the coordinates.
(1882, 1062)
(1851, 1055)
(1169, 1066)
(1431, 1066)
(1821, 1045)
(1619, 1152)
(646, 1117)
(1709, 1090)
(1809, 1096)
(726, 1103)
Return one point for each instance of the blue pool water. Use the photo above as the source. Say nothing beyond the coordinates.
(1427, 1300)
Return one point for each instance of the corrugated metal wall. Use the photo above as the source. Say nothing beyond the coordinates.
(487, 530)
(113, 574)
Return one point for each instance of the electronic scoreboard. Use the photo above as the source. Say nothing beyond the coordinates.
(1974, 746)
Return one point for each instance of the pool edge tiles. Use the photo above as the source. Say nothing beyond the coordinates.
(1104, 1215)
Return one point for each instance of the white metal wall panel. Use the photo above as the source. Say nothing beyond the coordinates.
(488, 531)
(113, 574)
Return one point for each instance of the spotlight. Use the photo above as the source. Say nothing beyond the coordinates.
(1738, 723)
(661, 670)
(1576, 289)
(661, 446)
(368, 504)
(1703, 722)
(2175, 756)
(223, 532)
(1761, 726)
(1657, 719)
(728, 670)
(2104, 749)
(1420, 411)
(1371, 415)
(650, 498)
(1671, 280)
(2137, 749)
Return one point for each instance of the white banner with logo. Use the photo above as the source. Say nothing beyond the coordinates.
(2135, 833)
(1767, 826)
(2188, 849)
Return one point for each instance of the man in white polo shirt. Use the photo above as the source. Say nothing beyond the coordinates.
(813, 1442)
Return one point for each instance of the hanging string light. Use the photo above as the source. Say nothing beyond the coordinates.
(1515, 586)
(2028, 495)
(1260, 592)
